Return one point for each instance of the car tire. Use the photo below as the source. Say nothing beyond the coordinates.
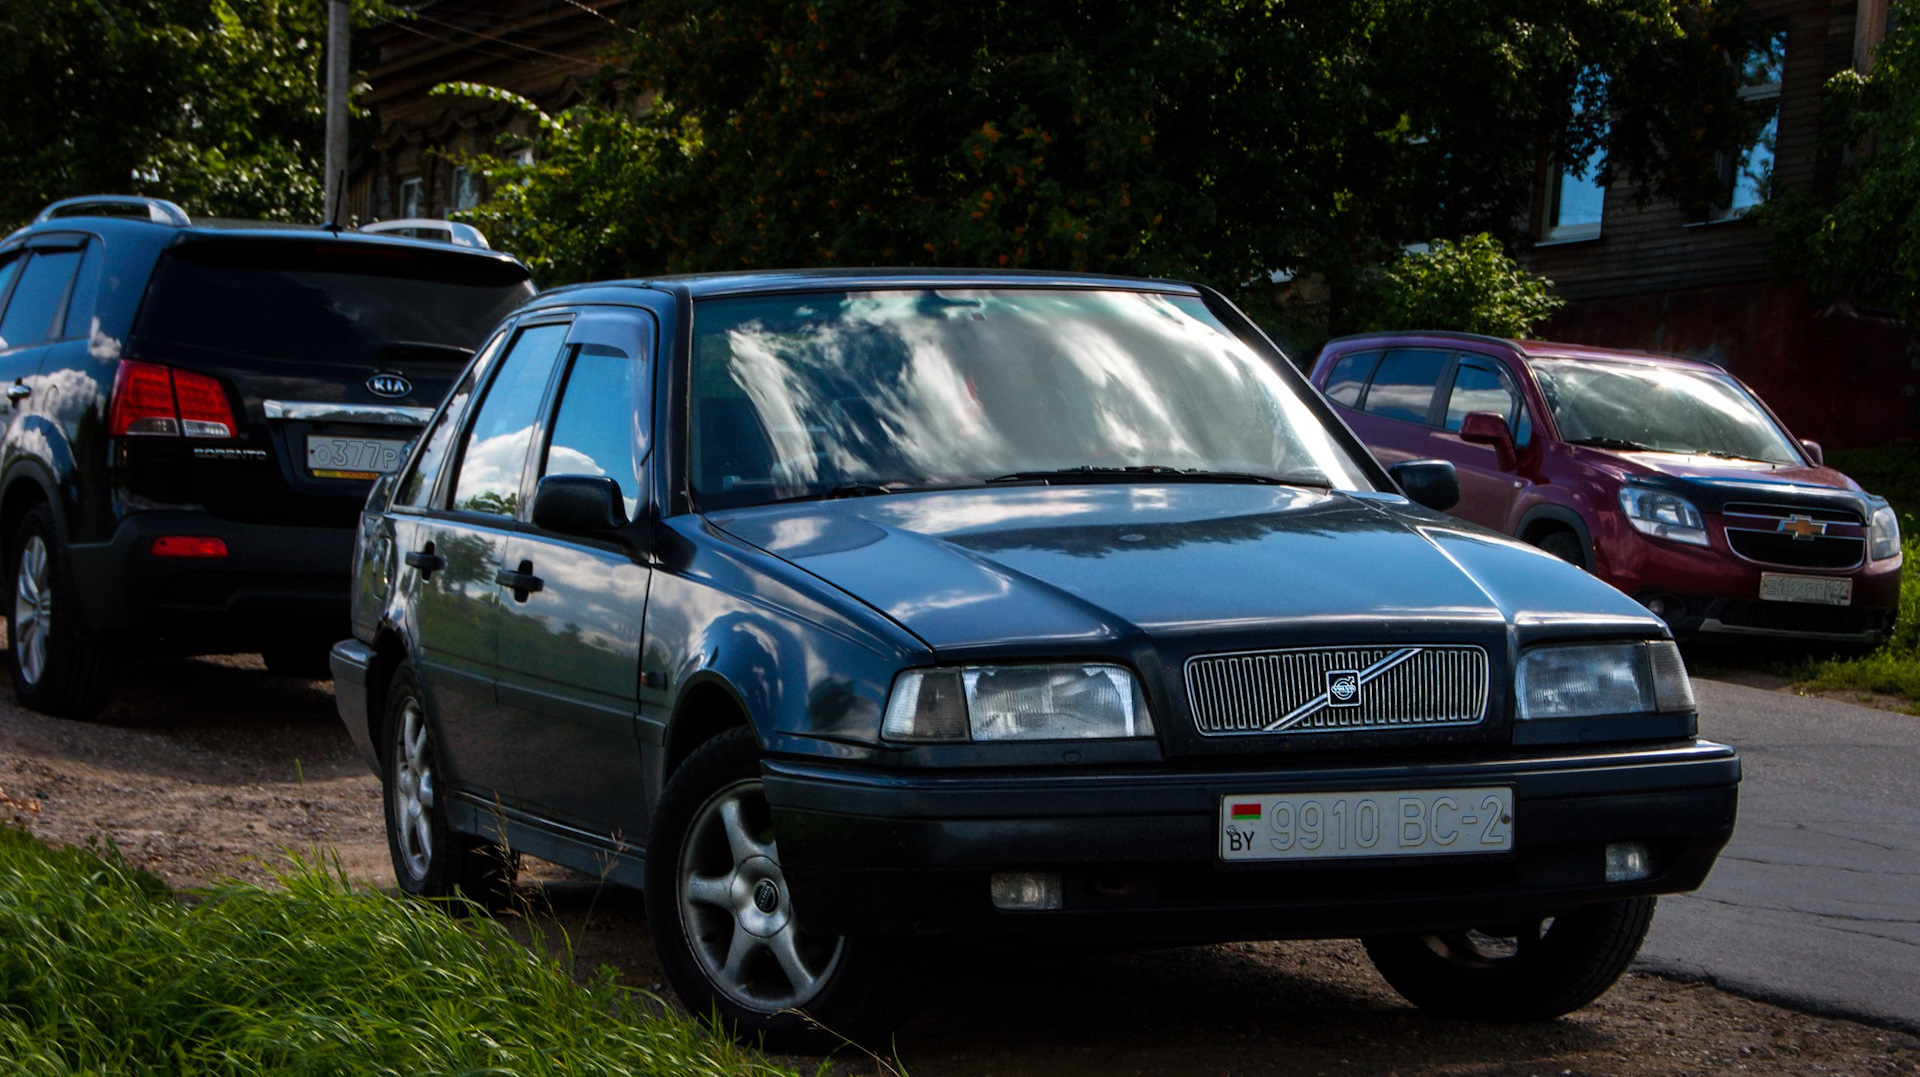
(1532, 971)
(722, 920)
(309, 663)
(430, 859)
(58, 667)
(1565, 545)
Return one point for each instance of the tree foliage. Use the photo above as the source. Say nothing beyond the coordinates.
(1213, 139)
(1863, 238)
(215, 104)
(1468, 287)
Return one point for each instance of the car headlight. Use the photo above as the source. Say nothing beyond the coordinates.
(983, 703)
(1883, 534)
(1663, 515)
(1585, 679)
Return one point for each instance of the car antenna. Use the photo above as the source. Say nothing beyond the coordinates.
(332, 223)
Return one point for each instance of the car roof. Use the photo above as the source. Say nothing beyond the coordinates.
(228, 229)
(1528, 350)
(772, 281)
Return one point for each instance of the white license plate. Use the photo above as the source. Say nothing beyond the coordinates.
(353, 458)
(1823, 590)
(1400, 822)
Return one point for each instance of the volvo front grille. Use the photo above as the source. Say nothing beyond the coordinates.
(1322, 690)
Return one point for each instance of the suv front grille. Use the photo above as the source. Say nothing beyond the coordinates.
(1764, 533)
(1294, 691)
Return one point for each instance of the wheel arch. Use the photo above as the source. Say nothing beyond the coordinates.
(389, 652)
(1541, 519)
(26, 486)
(709, 705)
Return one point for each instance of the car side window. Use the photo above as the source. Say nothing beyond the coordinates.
(417, 487)
(39, 298)
(598, 426)
(1349, 377)
(495, 450)
(86, 288)
(1403, 386)
(1478, 387)
(10, 269)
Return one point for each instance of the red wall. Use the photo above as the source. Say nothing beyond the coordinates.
(1842, 378)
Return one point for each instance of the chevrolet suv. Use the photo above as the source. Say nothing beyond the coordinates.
(195, 411)
(836, 610)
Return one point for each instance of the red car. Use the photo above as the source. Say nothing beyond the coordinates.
(1666, 477)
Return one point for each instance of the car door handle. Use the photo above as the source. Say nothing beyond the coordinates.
(523, 582)
(426, 561)
(17, 393)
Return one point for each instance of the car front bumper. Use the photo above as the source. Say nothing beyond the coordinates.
(891, 853)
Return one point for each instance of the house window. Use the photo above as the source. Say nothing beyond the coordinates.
(1746, 175)
(1576, 197)
(413, 200)
(465, 190)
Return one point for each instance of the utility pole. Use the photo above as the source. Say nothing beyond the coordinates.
(337, 75)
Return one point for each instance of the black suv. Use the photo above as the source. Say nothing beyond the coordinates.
(195, 410)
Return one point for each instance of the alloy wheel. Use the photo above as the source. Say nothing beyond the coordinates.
(737, 912)
(413, 790)
(32, 610)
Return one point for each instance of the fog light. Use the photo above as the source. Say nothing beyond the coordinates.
(1027, 889)
(1627, 862)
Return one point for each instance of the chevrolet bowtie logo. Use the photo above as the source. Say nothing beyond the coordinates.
(1803, 528)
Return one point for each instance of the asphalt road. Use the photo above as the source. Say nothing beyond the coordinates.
(1816, 902)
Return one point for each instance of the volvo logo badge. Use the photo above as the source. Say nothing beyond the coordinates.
(1343, 688)
(1803, 528)
(389, 385)
(766, 896)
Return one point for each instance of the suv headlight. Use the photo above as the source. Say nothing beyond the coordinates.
(1663, 515)
(1586, 679)
(984, 703)
(1883, 534)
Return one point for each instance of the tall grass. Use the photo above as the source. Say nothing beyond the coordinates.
(104, 972)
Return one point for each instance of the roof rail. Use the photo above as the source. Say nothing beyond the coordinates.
(431, 228)
(158, 210)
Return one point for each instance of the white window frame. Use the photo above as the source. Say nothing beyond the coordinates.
(1731, 163)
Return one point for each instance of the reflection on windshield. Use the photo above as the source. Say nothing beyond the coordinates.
(1661, 409)
(797, 395)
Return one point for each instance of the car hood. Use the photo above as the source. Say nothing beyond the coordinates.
(1711, 481)
(1088, 566)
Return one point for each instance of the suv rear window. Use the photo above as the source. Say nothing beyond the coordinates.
(325, 301)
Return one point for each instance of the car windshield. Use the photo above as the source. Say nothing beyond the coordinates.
(1659, 408)
(860, 392)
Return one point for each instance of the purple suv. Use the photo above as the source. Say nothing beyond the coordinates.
(1666, 477)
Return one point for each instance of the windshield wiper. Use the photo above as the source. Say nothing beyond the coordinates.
(1612, 443)
(868, 489)
(1726, 455)
(1092, 473)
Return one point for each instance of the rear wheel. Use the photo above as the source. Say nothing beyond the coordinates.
(1533, 970)
(429, 858)
(724, 926)
(58, 667)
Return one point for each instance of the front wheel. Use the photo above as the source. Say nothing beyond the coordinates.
(1533, 970)
(431, 859)
(723, 922)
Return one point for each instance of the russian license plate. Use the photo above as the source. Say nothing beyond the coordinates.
(353, 458)
(1823, 590)
(1401, 822)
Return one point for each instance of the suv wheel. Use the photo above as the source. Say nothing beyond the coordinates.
(429, 858)
(1531, 971)
(723, 922)
(57, 667)
(1565, 545)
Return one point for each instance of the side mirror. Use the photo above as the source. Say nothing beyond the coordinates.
(1814, 452)
(1432, 483)
(584, 506)
(1489, 428)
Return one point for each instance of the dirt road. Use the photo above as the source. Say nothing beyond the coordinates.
(211, 769)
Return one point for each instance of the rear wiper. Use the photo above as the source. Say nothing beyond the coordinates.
(1612, 443)
(1091, 473)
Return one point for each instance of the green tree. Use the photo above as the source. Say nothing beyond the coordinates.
(1863, 238)
(1468, 287)
(1216, 139)
(215, 104)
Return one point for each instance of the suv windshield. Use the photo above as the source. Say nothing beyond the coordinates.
(326, 301)
(1659, 408)
(855, 392)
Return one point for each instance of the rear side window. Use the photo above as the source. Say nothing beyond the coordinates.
(1403, 386)
(598, 428)
(86, 289)
(418, 486)
(39, 298)
(1349, 377)
(325, 303)
(496, 447)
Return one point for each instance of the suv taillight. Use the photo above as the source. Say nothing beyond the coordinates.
(154, 400)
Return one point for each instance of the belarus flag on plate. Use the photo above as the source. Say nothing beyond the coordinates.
(1246, 811)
